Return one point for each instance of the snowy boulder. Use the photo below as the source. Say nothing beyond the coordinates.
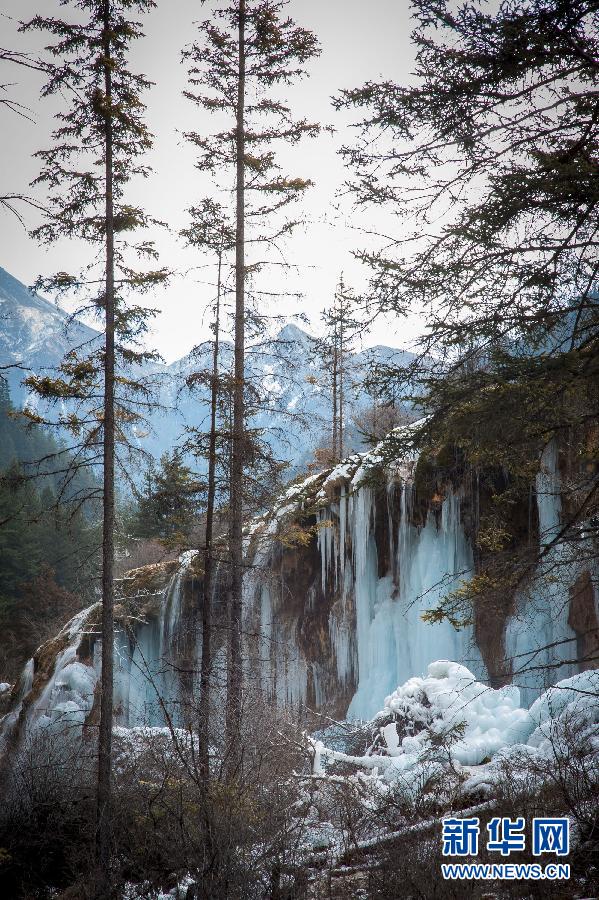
(448, 718)
(579, 692)
(570, 704)
(516, 763)
(450, 698)
(566, 716)
(445, 718)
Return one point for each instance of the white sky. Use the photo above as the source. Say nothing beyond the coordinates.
(360, 41)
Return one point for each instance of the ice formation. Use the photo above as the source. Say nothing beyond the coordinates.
(146, 680)
(393, 642)
(448, 718)
(56, 693)
(377, 634)
(352, 629)
(538, 636)
(60, 702)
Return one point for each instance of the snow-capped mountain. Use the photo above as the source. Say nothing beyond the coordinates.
(34, 333)
(289, 381)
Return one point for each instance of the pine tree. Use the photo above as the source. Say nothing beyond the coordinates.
(490, 158)
(335, 348)
(211, 232)
(169, 507)
(98, 147)
(237, 67)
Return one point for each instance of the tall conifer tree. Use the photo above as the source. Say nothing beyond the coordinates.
(335, 348)
(210, 232)
(98, 148)
(246, 54)
(489, 160)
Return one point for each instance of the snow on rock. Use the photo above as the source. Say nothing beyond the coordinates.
(343, 472)
(352, 471)
(357, 468)
(448, 717)
(564, 717)
(578, 693)
(450, 696)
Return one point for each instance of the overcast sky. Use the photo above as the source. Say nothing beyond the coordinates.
(360, 41)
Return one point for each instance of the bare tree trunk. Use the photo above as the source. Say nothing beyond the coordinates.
(103, 810)
(206, 665)
(341, 362)
(334, 392)
(234, 685)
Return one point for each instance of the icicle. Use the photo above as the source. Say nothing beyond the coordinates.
(342, 528)
(171, 609)
(538, 636)
(548, 485)
(340, 638)
(145, 677)
(322, 548)
(393, 642)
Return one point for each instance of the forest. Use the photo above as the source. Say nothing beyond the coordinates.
(311, 610)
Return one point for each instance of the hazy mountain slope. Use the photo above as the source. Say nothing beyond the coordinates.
(289, 379)
(33, 333)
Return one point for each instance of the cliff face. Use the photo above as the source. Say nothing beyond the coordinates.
(340, 573)
(583, 619)
(341, 615)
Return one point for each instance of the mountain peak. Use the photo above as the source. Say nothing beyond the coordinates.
(289, 376)
(292, 332)
(15, 293)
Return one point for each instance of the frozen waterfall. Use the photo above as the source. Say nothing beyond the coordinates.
(391, 641)
(539, 639)
(334, 623)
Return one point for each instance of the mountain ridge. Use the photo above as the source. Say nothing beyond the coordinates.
(35, 334)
